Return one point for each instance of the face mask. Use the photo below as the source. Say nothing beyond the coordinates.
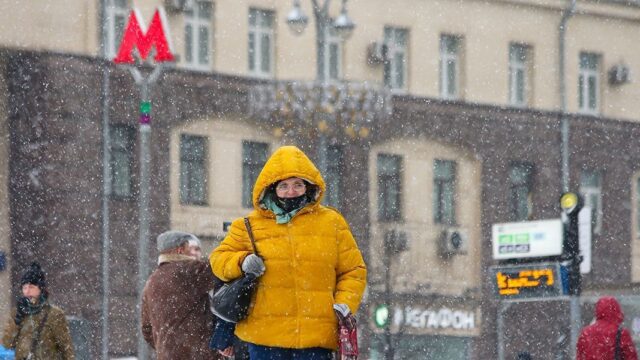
(290, 204)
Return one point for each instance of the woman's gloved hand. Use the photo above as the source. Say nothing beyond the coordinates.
(253, 264)
(345, 317)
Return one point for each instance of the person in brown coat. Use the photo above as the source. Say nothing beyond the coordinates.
(176, 320)
(38, 330)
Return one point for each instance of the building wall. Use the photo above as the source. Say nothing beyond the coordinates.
(55, 107)
(64, 26)
(487, 28)
(224, 171)
(5, 229)
(445, 275)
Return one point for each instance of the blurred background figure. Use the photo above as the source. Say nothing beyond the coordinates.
(176, 320)
(606, 338)
(37, 329)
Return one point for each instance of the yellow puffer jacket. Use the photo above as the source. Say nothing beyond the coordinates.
(312, 262)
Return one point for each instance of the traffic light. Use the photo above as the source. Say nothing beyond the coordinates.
(381, 316)
(571, 204)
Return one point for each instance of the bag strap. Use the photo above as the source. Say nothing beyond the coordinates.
(247, 224)
(36, 335)
(617, 355)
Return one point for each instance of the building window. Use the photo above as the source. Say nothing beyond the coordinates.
(261, 42)
(589, 82)
(591, 191)
(197, 35)
(333, 178)
(193, 174)
(121, 159)
(450, 56)
(395, 67)
(254, 156)
(521, 180)
(444, 192)
(389, 187)
(519, 55)
(331, 59)
(116, 13)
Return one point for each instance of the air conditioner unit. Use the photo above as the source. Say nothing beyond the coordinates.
(176, 5)
(395, 241)
(619, 74)
(453, 241)
(377, 53)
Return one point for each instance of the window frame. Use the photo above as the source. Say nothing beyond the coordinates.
(254, 168)
(187, 199)
(585, 90)
(393, 179)
(440, 186)
(586, 191)
(455, 58)
(255, 51)
(333, 176)
(332, 39)
(519, 65)
(515, 198)
(113, 12)
(396, 47)
(194, 18)
(127, 150)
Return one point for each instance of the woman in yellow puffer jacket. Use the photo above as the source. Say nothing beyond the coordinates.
(309, 262)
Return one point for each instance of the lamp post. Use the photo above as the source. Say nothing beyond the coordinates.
(338, 108)
(344, 111)
(343, 26)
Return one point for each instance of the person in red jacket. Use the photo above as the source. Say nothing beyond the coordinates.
(598, 340)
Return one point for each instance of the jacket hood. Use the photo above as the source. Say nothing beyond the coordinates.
(284, 163)
(608, 309)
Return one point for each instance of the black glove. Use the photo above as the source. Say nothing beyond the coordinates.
(22, 309)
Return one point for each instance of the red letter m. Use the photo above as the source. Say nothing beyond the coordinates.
(134, 35)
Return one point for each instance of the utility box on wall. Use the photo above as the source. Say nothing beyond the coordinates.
(80, 335)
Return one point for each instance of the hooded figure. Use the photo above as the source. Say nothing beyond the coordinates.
(309, 262)
(598, 341)
(37, 330)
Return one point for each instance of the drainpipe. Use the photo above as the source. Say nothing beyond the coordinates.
(106, 179)
(562, 32)
(574, 299)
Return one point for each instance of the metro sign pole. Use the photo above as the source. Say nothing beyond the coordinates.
(136, 36)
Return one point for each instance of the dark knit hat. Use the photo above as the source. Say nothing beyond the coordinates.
(35, 276)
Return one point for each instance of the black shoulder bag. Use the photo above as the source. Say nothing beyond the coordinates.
(618, 355)
(231, 302)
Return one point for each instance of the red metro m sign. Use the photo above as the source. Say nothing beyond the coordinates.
(136, 35)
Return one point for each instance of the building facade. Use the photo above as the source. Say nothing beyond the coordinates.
(473, 140)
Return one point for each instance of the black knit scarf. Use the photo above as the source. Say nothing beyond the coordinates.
(29, 308)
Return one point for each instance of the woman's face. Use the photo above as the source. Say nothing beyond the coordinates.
(290, 188)
(31, 291)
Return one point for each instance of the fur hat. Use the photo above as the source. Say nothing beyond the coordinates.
(35, 276)
(172, 239)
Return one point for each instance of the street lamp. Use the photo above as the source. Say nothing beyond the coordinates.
(296, 19)
(343, 26)
(351, 107)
